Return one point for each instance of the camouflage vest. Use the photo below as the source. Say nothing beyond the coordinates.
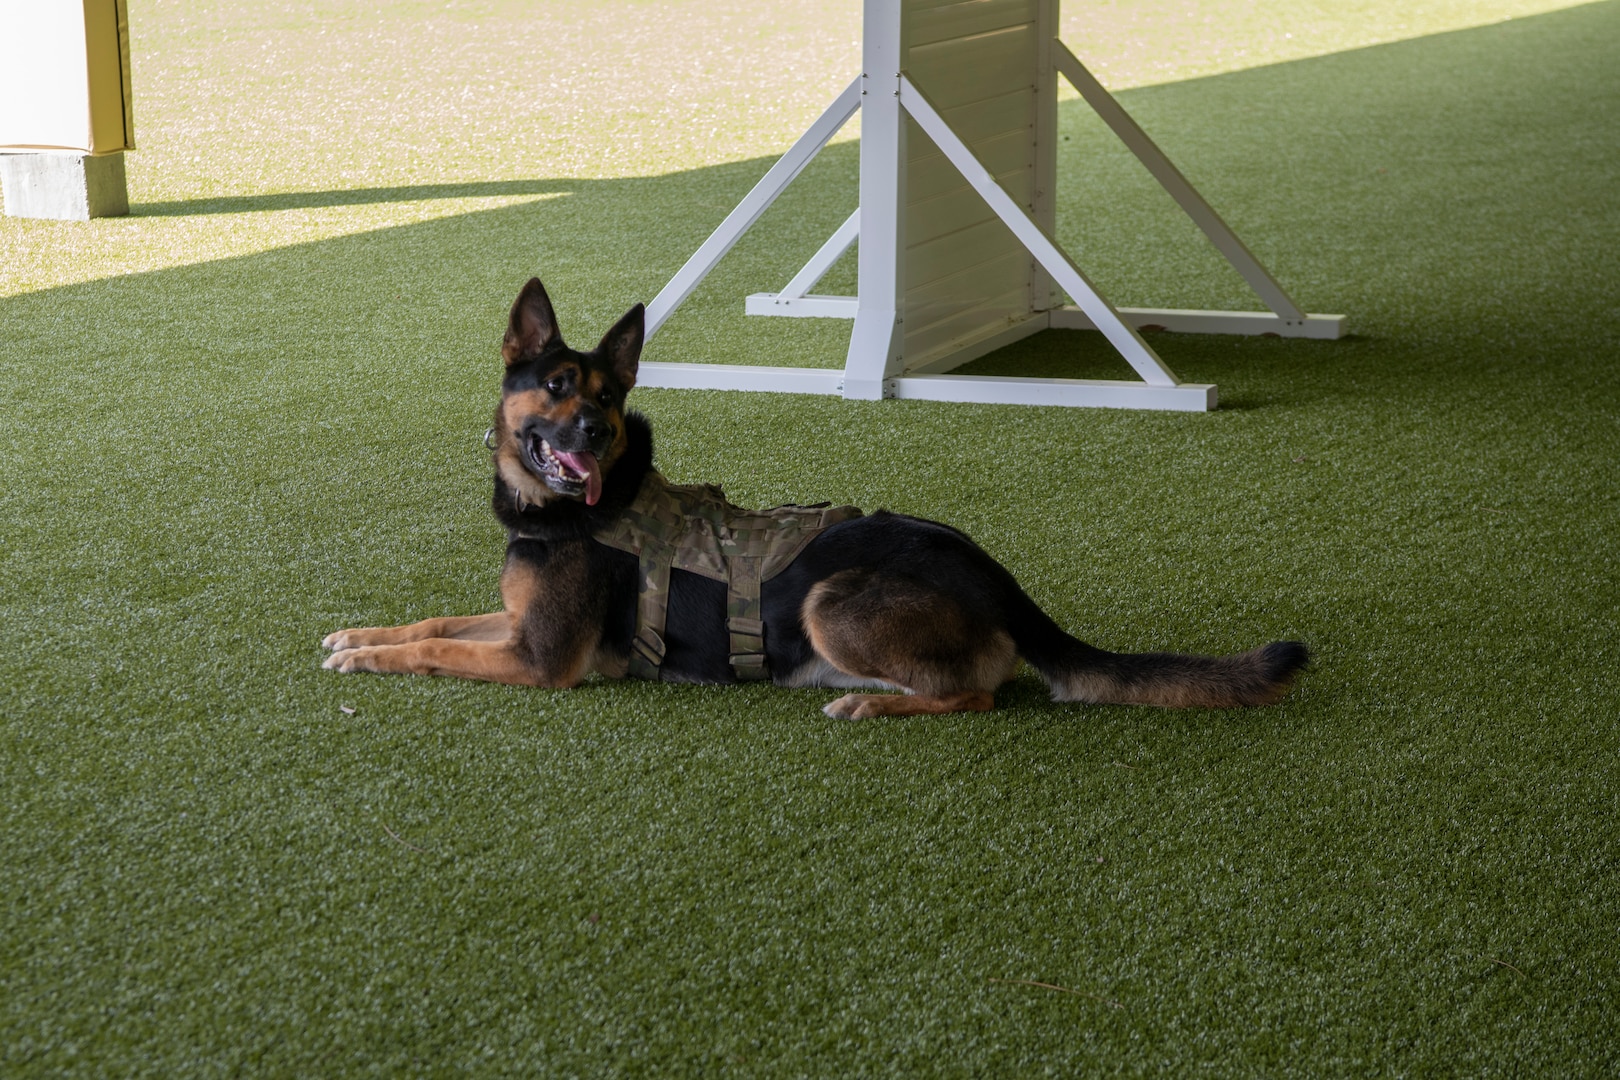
(692, 527)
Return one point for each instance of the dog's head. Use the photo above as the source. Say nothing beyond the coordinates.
(560, 424)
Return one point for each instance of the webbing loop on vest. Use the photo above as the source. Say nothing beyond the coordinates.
(692, 527)
(744, 619)
(647, 647)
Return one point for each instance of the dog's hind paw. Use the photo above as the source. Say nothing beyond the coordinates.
(851, 707)
(866, 706)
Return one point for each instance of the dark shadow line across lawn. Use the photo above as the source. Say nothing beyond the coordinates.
(302, 200)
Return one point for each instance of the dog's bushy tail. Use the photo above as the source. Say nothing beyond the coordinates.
(1079, 672)
(1177, 680)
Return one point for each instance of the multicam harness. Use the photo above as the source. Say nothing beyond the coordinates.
(692, 527)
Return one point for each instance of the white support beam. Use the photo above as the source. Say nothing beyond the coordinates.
(1183, 321)
(792, 301)
(814, 306)
(784, 380)
(1120, 334)
(1090, 393)
(1170, 178)
(755, 203)
(829, 253)
(1043, 293)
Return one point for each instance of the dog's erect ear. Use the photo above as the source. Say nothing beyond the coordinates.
(621, 346)
(533, 325)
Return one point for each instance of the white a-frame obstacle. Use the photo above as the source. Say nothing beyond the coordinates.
(958, 103)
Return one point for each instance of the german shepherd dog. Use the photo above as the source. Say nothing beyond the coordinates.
(882, 601)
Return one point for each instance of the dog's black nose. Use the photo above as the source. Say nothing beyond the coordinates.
(595, 428)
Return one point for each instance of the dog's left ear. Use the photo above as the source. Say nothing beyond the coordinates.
(621, 346)
(533, 324)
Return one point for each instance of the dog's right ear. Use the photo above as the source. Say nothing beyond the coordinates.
(622, 346)
(533, 325)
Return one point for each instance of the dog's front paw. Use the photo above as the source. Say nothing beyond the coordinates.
(357, 636)
(351, 660)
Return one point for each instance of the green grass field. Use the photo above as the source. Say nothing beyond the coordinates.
(251, 412)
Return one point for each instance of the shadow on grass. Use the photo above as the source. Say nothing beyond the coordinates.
(303, 200)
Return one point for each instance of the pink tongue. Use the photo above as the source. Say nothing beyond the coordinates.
(584, 464)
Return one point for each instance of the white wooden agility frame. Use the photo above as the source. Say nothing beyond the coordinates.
(957, 255)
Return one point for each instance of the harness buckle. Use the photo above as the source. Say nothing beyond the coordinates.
(646, 653)
(749, 665)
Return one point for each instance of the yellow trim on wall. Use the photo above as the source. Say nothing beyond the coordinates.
(65, 78)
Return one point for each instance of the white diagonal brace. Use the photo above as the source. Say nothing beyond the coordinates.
(1169, 177)
(755, 203)
(822, 260)
(1119, 333)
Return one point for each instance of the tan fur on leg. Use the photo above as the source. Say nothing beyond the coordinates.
(490, 661)
(493, 627)
(910, 635)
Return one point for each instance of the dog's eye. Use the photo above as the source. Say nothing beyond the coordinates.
(606, 399)
(557, 387)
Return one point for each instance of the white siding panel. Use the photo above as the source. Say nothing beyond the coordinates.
(958, 251)
(960, 207)
(945, 297)
(933, 22)
(1004, 156)
(947, 335)
(965, 273)
(990, 118)
(969, 69)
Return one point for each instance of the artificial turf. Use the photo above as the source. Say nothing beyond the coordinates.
(251, 412)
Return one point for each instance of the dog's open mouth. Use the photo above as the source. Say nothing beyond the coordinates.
(565, 473)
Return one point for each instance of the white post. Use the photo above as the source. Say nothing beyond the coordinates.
(875, 342)
(1042, 291)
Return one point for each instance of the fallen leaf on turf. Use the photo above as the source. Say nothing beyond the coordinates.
(1063, 989)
